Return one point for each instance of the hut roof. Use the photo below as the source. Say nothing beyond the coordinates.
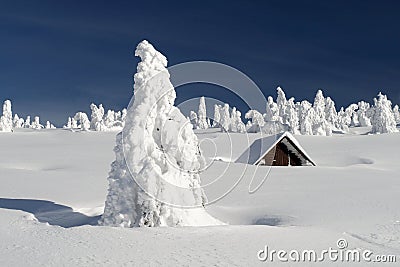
(260, 147)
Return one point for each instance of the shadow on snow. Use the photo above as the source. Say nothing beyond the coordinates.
(49, 212)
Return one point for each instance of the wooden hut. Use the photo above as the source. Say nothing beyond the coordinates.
(276, 150)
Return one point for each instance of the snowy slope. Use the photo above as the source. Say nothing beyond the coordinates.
(58, 177)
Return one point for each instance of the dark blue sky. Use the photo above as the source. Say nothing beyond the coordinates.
(56, 57)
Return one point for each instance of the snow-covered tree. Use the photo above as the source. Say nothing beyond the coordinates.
(396, 114)
(306, 119)
(74, 123)
(362, 111)
(342, 120)
(18, 122)
(6, 120)
(237, 125)
(225, 120)
(123, 116)
(330, 112)
(291, 116)
(83, 121)
(193, 119)
(97, 123)
(281, 103)
(257, 121)
(49, 125)
(117, 116)
(36, 123)
(318, 117)
(109, 119)
(352, 119)
(202, 114)
(383, 120)
(307, 126)
(319, 106)
(217, 116)
(156, 170)
(27, 123)
(272, 111)
(347, 117)
(69, 124)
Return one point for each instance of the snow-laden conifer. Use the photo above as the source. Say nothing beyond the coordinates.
(257, 121)
(6, 120)
(202, 114)
(36, 123)
(396, 114)
(96, 122)
(18, 122)
(363, 119)
(383, 119)
(156, 170)
(83, 121)
(194, 119)
(225, 119)
(217, 116)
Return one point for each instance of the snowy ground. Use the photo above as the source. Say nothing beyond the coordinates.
(53, 187)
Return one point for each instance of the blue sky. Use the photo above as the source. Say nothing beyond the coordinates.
(56, 57)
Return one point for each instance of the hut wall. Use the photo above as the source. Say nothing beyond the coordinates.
(281, 155)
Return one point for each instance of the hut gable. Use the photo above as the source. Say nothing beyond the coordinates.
(276, 150)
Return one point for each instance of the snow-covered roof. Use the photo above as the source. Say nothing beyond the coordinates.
(260, 147)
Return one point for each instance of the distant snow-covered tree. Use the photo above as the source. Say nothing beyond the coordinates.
(36, 123)
(383, 119)
(281, 103)
(69, 124)
(202, 114)
(319, 105)
(306, 119)
(217, 116)
(6, 120)
(232, 126)
(272, 110)
(123, 116)
(74, 123)
(18, 122)
(193, 119)
(49, 125)
(109, 119)
(308, 123)
(257, 121)
(83, 121)
(363, 118)
(330, 112)
(346, 117)
(225, 118)
(351, 119)
(237, 125)
(97, 123)
(27, 123)
(342, 120)
(396, 114)
(292, 117)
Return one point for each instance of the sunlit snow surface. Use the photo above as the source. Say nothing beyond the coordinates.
(54, 184)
